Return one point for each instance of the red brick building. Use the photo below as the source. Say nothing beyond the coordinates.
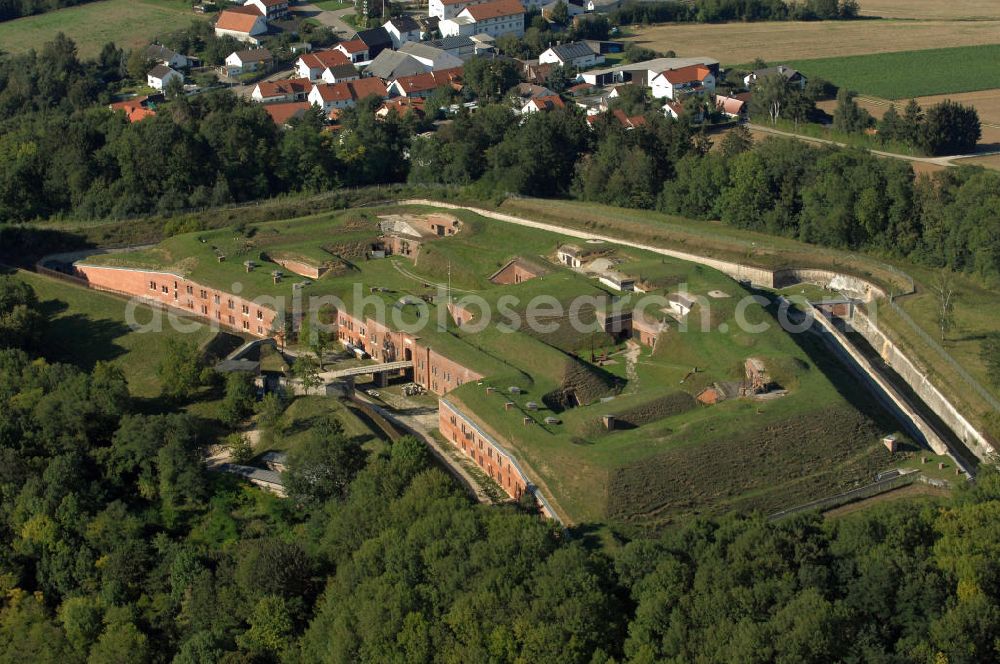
(431, 369)
(175, 291)
(481, 448)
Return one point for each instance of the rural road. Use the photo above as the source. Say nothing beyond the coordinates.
(331, 19)
(937, 161)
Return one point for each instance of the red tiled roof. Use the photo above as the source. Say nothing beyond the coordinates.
(133, 109)
(353, 46)
(547, 103)
(494, 9)
(429, 80)
(282, 113)
(324, 59)
(237, 21)
(689, 74)
(289, 86)
(403, 106)
(729, 105)
(352, 90)
(676, 107)
(626, 121)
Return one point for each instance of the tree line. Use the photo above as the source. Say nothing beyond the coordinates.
(719, 11)
(116, 546)
(65, 157)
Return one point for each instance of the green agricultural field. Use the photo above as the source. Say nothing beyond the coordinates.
(127, 23)
(739, 453)
(907, 74)
(87, 326)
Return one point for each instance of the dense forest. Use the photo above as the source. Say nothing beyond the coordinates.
(117, 546)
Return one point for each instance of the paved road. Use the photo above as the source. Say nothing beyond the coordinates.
(939, 161)
(331, 19)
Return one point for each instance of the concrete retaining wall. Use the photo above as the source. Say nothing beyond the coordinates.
(886, 393)
(922, 386)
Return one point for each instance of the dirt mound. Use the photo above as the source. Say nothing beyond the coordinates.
(581, 383)
(653, 410)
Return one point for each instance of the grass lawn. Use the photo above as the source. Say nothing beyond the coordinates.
(86, 327)
(128, 23)
(907, 74)
(332, 5)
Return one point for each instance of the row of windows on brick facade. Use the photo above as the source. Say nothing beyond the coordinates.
(203, 294)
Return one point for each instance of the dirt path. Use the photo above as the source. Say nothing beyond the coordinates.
(631, 360)
(937, 161)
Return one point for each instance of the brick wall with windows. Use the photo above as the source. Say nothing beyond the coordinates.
(466, 435)
(179, 293)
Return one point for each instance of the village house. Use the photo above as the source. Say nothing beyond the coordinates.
(533, 72)
(135, 109)
(627, 122)
(460, 47)
(794, 77)
(243, 24)
(421, 85)
(332, 96)
(402, 29)
(642, 73)
(288, 90)
(162, 55)
(731, 107)
(377, 40)
(494, 18)
(242, 62)
(160, 76)
(270, 9)
(574, 54)
(284, 112)
(390, 65)
(546, 103)
(340, 73)
(673, 84)
(355, 50)
(432, 57)
(448, 9)
(402, 106)
(573, 8)
(312, 65)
